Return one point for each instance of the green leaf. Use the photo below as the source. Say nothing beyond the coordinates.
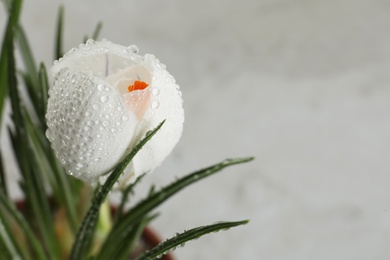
(125, 195)
(5, 248)
(59, 34)
(3, 76)
(180, 239)
(16, 7)
(148, 204)
(8, 243)
(27, 56)
(7, 47)
(128, 242)
(33, 183)
(96, 33)
(7, 4)
(22, 223)
(47, 164)
(44, 88)
(3, 177)
(84, 235)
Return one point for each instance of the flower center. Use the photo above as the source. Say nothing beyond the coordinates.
(137, 85)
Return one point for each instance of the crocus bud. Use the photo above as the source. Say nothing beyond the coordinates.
(103, 99)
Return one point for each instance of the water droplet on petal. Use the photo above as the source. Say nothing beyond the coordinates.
(132, 49)
(104, 99)
(155, 92)
(125, 118)
(90, 42)
(49, 135)
(100, 87)
(155, 104)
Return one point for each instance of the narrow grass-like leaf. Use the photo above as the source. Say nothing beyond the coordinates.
(96, 33)
(7, 47)
(125, 195)
(35, 192)
(59, 183)
(4, 247)
(16, 7)
(84, 235)
(181, 239)
(3, 178)
(10, 247)
(148, 204)
(130, 240)
(34, 187)
(33, 241)
(3, 77)
(27, 56)
(7, 4)
(42, 210)
(44, 88)
(32, 94)
(59, 34)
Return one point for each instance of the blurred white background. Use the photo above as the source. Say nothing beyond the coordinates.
(302, 85)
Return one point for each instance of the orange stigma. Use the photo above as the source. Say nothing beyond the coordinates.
(138, 85)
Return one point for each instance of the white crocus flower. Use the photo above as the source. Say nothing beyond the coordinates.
(103, 99)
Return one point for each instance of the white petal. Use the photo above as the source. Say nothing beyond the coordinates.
(88, 124)
(166, 103)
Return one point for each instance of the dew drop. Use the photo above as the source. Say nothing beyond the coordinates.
(49, 135)
(81, 165)
(125, 118)
(76, 147)
(88, 139)
(100, 87)
(95, 106)
(132, 49)
(104, 99)
(106, 123)
(155, 92)
(155, 104)
(90, 42)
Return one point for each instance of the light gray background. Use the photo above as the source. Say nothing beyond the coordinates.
(301, 85)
